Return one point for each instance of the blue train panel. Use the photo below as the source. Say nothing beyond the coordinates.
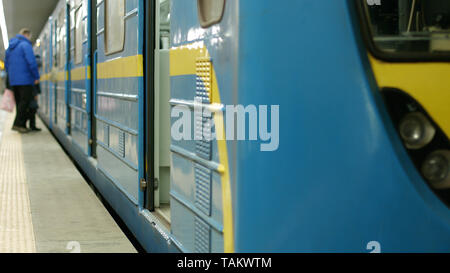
(119, 82)
(340, 178)
(312, 186)
(312, 161)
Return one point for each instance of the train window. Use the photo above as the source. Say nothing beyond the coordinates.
(61, 34)
(114, 26)
(60, 48)
(79, 35)
(85, 25)
(210, 12)
(44, 54)
(61, 17)
(55, 45)
(408, 27)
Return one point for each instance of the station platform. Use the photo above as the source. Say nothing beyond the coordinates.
(46, 206)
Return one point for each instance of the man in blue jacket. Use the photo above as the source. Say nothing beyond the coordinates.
(22, 69)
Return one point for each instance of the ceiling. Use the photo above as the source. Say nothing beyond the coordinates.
(32, 14)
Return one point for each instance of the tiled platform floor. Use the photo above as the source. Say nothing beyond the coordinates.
(45, 204)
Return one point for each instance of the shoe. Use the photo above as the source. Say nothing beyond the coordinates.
(35, 129)
(22, 130)
(15, 128)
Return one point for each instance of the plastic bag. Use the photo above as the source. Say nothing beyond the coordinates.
(8, 102)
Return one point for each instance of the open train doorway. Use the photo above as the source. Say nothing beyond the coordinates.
(158, 110)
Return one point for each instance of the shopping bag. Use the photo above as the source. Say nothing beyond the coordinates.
(8, 103)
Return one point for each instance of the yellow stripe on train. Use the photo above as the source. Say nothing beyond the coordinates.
(79, 73)
(127, 67)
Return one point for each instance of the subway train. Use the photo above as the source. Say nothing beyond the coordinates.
(216, 126)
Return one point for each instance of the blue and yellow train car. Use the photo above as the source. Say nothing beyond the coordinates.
(254, 126)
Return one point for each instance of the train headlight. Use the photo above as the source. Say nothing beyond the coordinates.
(416, 130)
(436, 169)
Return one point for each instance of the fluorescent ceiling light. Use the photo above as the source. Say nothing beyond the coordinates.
(3, 26)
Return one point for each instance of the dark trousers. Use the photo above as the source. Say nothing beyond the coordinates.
(23, 95)
(32, 117)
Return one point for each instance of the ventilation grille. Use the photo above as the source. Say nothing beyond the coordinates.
(203, 189)
(202, 236)
(204, 80)
(122, 144)
(106, 134)
(203, 144)
(203, 124)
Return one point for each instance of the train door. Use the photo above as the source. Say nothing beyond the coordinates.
(44, 84)
(51, 84)
(60, 65)
(119, 85)
(41, 51)
(79, 76)
(158, 115)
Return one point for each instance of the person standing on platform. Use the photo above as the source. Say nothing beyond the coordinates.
(22, 69)
(33, 107)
